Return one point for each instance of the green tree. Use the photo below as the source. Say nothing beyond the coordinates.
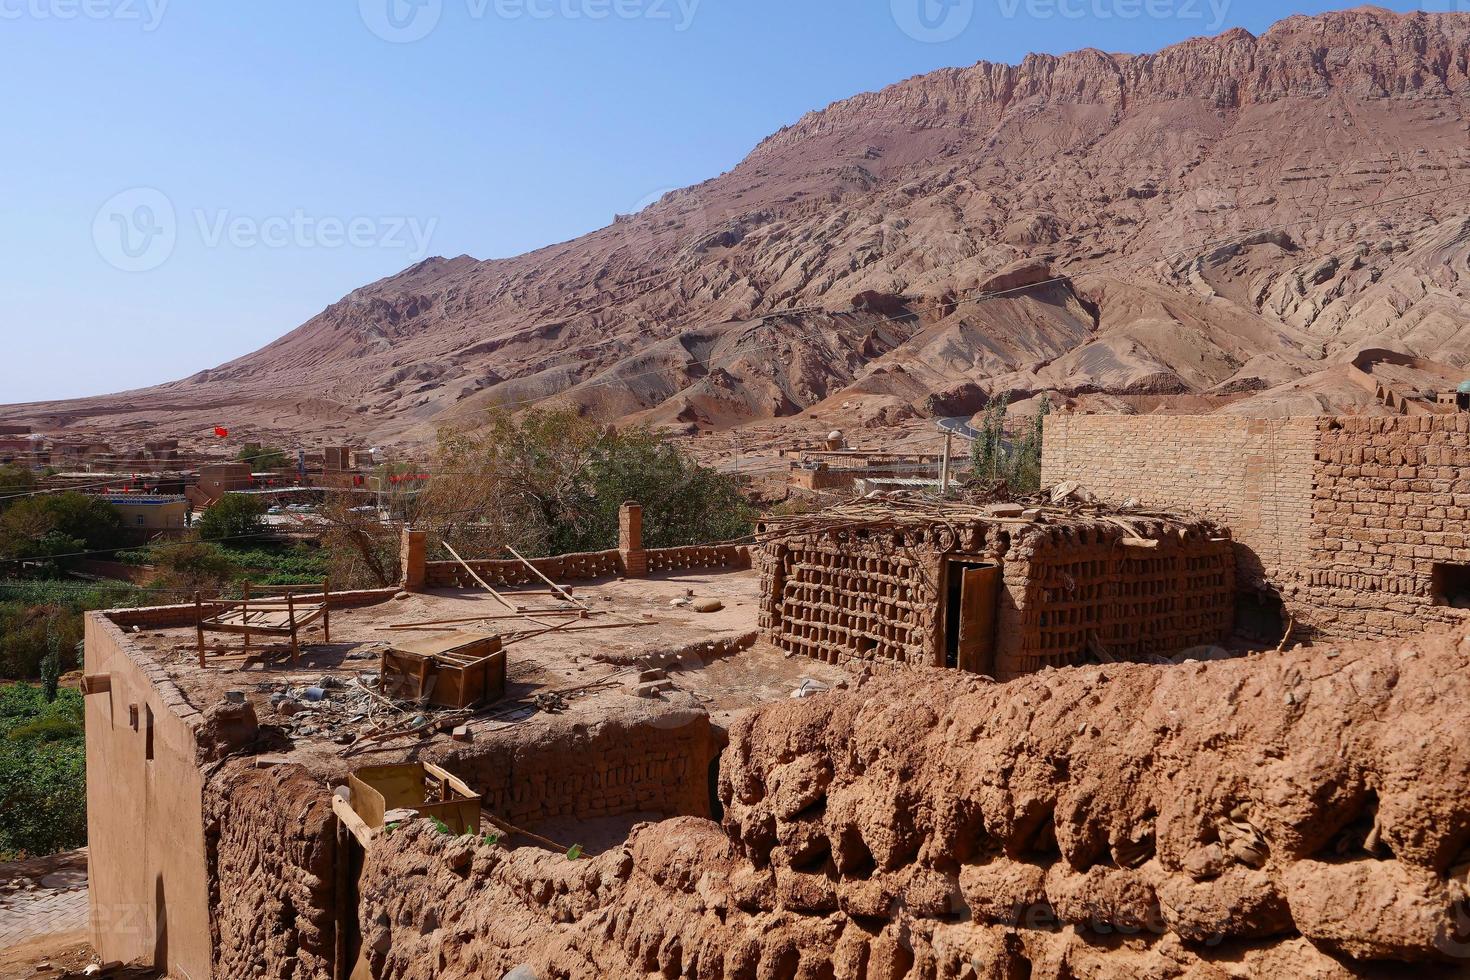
(233, 516)
(57, 525)
(43, 776)
(264, 457)
(192, 566)
(1017, 462)
(551, 482)
(14, 480)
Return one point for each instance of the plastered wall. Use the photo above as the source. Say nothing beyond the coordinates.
(147, 882)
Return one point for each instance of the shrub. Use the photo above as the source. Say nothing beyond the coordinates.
(43, 775)
(232, 517)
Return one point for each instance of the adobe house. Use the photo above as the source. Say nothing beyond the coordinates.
(999, 595)
(214, 847)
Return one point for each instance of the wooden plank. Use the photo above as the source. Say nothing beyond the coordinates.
(476, 576)
(352, 821)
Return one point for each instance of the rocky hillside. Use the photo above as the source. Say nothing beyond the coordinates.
(1234, 215)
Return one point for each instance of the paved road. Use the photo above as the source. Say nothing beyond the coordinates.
(42, 896)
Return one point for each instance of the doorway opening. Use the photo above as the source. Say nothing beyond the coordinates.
(970, 594)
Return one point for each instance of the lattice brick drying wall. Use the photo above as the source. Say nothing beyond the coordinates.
(1074, 591)
(1069, 590)
(857, 598)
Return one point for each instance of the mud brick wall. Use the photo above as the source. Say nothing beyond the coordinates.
(858, 596)
(1253, 476)
(1391, 503)
(658, 763)
(697, 558)
(271, 845)
(164, 617)
(1118, 821)
(583, 568)
(512, 572)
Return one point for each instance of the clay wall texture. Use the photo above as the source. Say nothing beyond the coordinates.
(584, 567)
(1391, 502)
(1067, 592)
(658, 764)
(1249, 818)
(271, 840)
(1345, 517)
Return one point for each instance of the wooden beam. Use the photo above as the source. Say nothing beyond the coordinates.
(355, 824)
(96, 683)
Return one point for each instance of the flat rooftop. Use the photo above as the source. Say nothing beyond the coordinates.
(587, 672)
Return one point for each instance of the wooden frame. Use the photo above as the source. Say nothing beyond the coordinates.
(459, 670)
(378, 790)
(267, 616)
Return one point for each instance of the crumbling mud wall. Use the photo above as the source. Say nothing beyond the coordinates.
(654, 760)
(1301, 815)
(1070, 590)
(271, 845)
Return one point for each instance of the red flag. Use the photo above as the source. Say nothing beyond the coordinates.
(221, 431)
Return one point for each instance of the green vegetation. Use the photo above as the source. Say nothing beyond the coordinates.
(43, 787)
(44, 618)
(551, 482)
(50, 527)
(232, 517)
(1017, 465)
(264, 457)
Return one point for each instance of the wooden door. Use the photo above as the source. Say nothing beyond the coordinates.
(978, 591)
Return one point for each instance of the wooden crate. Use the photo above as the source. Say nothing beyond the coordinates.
(455, 670)
(377, 790)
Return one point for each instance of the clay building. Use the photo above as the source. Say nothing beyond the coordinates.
(1346, 526)
(211, 761)
(990, 594)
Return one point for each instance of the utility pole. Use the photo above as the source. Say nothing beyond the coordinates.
(944, 467)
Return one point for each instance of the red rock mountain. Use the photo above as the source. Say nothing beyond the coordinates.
(1231, 215)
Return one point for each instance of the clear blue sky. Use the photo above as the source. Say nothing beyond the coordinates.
(302, 155)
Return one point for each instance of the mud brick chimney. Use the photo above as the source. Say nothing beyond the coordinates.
(411, 557)
(630, 540)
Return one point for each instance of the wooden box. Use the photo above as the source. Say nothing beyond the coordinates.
(419, 786)
(453, 670)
